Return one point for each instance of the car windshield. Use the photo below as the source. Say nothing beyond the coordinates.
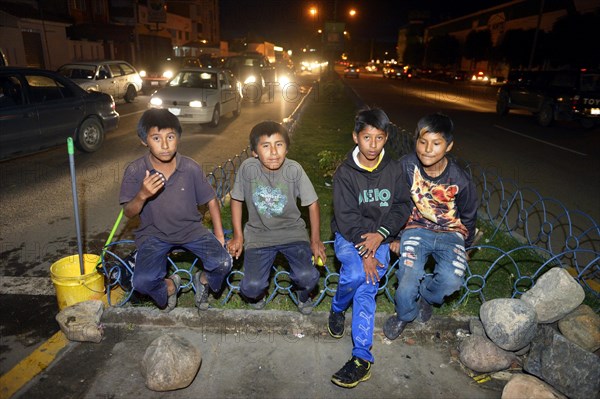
(78, 71)
(195, 80)
(590, 82)
(234, 62)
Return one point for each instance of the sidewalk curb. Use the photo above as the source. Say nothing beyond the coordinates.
(258, 321)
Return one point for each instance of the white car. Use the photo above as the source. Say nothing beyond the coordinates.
(117, 78)
(200, 95)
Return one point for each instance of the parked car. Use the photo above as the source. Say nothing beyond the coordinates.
(352, 71)
(254, 71)
(117, 78)
(40, 109)
(158, 73)
(553, 95)
(200, 95)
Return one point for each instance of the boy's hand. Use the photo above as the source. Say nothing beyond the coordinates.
(318, 251)
(235, 246)
(395, 247)
(370, 244)
(371, 264)
(151, 185)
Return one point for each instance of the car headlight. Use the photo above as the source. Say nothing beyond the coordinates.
(143, 73)
(250, 79)
(196, 104)
(156, 101)
(284, 80)
(168, 74)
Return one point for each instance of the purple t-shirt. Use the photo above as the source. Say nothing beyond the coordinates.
(172, 215)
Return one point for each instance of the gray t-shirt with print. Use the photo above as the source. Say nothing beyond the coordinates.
(271, 199)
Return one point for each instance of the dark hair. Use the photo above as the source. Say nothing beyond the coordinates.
(159, 118)
(436, 123)
(267, 128)
(374, 117)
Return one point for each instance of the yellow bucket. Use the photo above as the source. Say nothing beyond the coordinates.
(71, 286)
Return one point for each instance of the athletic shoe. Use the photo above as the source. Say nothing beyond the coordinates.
(425, 310)
(305, 307)
(354, 372)
(172, 299)
(336, 324)
(393, 327)
(201, 295)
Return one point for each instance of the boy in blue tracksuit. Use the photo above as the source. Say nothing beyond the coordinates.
(371, 204)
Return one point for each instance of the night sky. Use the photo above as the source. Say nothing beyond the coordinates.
(284, 22)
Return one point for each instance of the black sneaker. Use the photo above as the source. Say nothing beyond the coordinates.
(201, 295)
(393, 327)
(172, 299)
(336, 324)
(260, 304)
(306, 307)
(354, 372)
(425, 310)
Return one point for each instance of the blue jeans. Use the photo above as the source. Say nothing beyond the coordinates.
(151, 265)
(416, 245)
(353, 287)
(259, 261)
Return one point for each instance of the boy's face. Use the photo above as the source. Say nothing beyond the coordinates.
(162, 144)
(271, 151)
(370, 143)
(432, 148)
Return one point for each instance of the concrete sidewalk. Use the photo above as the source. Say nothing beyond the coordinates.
(259, 354)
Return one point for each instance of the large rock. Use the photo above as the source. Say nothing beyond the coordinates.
(81, 321)
(480, 354)
(582, 326)
(170, 362)
(554, 295)
(509, 323)
(522, 386)
(566, 366)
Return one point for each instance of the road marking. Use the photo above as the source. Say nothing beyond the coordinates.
(541, 141)
(10, 285)
(32, 365)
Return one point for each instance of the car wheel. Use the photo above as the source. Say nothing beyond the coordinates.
(90, 135)
(546, 115)
(216, 117)
(502, 105)
(238, 107)
(130, 94)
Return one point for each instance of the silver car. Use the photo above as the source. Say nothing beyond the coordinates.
(200, 95)
(117, 78)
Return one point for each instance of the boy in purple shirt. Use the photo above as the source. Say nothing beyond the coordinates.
(165, 189)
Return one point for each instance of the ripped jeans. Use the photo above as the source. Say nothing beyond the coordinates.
(416, 245)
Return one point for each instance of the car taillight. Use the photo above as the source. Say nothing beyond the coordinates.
(574, 102)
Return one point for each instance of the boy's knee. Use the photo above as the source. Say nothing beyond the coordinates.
(308, 278)
(225, 265)
(252, 288)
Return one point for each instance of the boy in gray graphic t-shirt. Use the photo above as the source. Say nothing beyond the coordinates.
(270, 185)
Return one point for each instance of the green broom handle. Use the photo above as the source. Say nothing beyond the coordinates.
(112, 233)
